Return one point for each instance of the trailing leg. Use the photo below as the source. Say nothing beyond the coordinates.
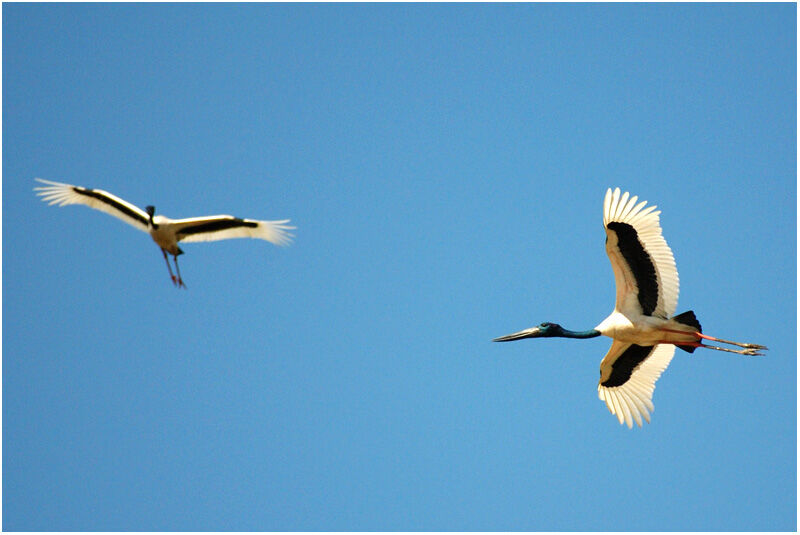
(178, 269)
(750, 349)
(750, 346)
(171, 276)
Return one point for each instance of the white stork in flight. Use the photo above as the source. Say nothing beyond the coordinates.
(166, 232)
(642, 327)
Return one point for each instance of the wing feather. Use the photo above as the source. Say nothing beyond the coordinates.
(628, 375)
(657, 297)
(62, 194)
(223, 227)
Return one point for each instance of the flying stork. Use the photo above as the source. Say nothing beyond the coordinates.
(166, 232)
(643, 331)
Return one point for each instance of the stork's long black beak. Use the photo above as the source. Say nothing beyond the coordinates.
(533, 332)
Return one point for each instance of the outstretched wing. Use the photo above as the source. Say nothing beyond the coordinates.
(63, 194)
(644, 268)
(223, 227)
(628, 375)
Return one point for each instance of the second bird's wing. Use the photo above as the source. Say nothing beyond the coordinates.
(63, 194)
(223, 227)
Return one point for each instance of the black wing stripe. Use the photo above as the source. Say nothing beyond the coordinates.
(626, 363)
(642, 267)
(112, 203)
(216, 226)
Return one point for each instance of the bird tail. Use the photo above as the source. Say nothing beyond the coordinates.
(688, 318)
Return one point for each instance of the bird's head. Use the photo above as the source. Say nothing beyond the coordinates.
(151, 210)
(544, 330)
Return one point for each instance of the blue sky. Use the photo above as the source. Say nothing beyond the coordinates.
(445, 166)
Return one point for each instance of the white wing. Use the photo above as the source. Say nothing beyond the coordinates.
(644, 268)
(223, 227)
(628, 375)
(63, 194)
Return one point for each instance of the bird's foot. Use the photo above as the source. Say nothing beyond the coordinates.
(752, 352)
(180, 283)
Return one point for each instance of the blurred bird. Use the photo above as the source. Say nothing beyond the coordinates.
(166, 232)
(642, 327)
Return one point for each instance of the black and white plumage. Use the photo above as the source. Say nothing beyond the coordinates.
(166, 232)
(642, 326)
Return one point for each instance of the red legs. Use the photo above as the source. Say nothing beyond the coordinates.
(177, 281)
(178, 269)
(749, 349)
(171, 276)
(749, 346)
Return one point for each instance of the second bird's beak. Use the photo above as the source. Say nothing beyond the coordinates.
(533, 332)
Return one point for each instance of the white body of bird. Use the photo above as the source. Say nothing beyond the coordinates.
(645, 330)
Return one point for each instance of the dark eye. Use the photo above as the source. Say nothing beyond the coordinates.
(545, 324)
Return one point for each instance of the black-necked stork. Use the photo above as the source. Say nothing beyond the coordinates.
(166, 232)
(642, 327)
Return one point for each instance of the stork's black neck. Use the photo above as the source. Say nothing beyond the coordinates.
(566, 333)
(151, 210)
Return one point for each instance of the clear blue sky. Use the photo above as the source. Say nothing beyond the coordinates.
(445, 166)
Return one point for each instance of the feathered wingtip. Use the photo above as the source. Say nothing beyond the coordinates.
(55, 192)
(622, 207)
(277, 232)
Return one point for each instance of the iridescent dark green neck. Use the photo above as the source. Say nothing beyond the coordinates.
(566, 333)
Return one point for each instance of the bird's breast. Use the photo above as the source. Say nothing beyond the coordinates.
(632, 330)
(164, 236)
(616, 326)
